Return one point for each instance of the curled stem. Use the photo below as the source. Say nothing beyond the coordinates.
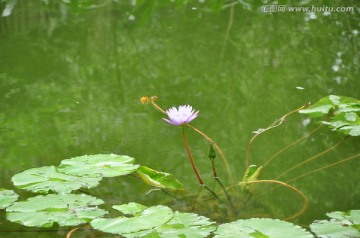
(291, 144)
(313, 171)
(273, 125)
(69, 234)
(302, 195)
(311, 158)
(324, 167)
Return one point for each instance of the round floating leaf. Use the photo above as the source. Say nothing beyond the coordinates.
(342, 224)
(230, 230)
(145, 222)
(187, 225)
(103, 165)
(63, 209)
(158, 221)
(131, 208)
(262, 228)
(7, 197)
(159, 179)
(44, 179)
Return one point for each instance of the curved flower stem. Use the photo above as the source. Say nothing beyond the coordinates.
(217, 148)
(152, 101)
(68, 235)
(313, 171)
(312, 158)
(324, 167)
(290, 145)
(301, 194)
(276, 123)
(190, 156)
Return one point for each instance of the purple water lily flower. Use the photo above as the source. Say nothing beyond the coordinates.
(185, 114)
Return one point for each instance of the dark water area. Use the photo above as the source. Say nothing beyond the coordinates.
(72, 75)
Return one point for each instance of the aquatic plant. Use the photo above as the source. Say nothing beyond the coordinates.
(63, 194)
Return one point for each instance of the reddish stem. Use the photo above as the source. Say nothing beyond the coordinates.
(190, 157)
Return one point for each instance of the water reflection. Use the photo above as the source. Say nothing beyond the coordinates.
(70, 80)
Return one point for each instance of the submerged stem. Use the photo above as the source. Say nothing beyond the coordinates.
(315, 170)
(302, 195)
(291, 144)
(324, 167)
(227, 33)
(226, 193)
(311, 158)
(190, 156)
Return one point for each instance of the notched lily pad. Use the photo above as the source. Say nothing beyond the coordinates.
(102, 165)
(7, 197)
(261, 227)
(341, 224)
(63, 209)
(159, 179)
(45, 179)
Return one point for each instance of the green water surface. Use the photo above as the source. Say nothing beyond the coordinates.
(72, 75)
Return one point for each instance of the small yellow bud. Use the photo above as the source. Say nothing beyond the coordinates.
(144, 99)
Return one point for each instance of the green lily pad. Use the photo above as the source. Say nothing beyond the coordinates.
(159, 179)
(261, 228)
(131, 208)
(157, 221)
(337, 103)
(45, 179)
(144, 222)
(102, 165)
(7, 197)
(342, 224)
(186, 225)
(353, 216)
(63, 209)
(338, 112)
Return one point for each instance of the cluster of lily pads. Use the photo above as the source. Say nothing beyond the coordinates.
(61, 201)
(58, 205)
(339, 113)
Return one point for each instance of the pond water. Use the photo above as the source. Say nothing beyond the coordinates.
(72, 75)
